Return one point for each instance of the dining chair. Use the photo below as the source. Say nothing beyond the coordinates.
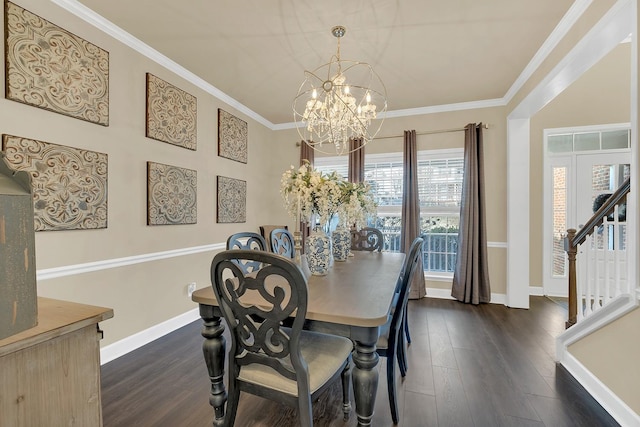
(288, 365)
(247, 240)
(391, 334)
(367, 239)
(265, 232)
(282, 243)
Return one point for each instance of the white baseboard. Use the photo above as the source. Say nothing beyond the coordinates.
(619, 410)
(446, 294)
(132, 342)
(536, 291)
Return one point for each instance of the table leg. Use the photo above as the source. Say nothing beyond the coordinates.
(214, 352)
(365, 379)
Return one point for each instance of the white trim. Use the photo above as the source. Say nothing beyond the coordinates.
(613, 27)
(536, 291)
(70, 270)
(518, 213)
(440, 293)
(607, 314)
(606, 34)
(501, 245)
(611, 403)
(568, 20)
(471, 105)
(135, 341)
(108, 27)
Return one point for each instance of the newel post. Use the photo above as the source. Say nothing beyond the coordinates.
(571, 254)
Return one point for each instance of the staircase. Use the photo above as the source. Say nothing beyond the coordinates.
(598, 346)
(600, 246)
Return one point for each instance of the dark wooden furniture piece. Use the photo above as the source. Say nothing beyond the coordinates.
(352, 300)
(367, 239)
(51, 373)
(247, 240)
(265, 232)
(282, 243)
(280, 363)
(390, 343)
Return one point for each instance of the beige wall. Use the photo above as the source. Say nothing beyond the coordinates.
(148, 293)
(600, 96)
(612, 354)
(495, 167)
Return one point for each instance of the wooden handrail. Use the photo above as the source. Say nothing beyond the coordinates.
(575, 238)
(606, 209)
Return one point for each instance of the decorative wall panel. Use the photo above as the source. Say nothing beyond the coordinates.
(69, 185)
(50, 68)
(232, 200)
(232, 137)
(171, 114)
(171, 195)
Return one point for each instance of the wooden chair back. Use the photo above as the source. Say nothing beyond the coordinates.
(282, 243)
(367, 239)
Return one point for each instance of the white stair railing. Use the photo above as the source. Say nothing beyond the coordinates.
(597, 253)
(602, 266)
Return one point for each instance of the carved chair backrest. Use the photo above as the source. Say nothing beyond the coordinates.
(367, 239)
(247, 240)
(282, 243)
(256, 305)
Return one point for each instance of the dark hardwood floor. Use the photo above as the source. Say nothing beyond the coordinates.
(484, 365)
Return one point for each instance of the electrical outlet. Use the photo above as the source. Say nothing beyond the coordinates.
(191, 287)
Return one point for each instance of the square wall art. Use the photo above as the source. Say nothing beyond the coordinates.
(50, 68)
(171, 114)
(171, 195)
(232, 200)
(69, 184)
(232, 137)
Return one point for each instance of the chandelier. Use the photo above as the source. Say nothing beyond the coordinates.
(339, 101)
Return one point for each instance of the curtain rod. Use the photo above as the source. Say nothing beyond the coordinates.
(431, 132)
(428, 132)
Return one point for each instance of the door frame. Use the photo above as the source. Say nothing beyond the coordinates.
(551, 285)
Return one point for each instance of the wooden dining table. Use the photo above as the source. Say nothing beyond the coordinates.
(353, 300)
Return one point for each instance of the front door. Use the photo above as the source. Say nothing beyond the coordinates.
(574, 182)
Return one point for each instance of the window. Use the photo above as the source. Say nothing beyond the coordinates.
(440, 174)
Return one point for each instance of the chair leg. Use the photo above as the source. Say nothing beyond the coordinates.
(391, 387)
(232, 404)
(401, 355)
(406, 326)
(346, 390)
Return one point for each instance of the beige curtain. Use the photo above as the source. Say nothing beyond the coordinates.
(411, 209)
(306, 153)
(356, 160)
(471, 276)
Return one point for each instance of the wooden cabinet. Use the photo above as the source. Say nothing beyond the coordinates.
(50, 374)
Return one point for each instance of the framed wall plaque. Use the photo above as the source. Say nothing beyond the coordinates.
(171, 195)
(171, 114)
(232, 137)
(232, 200)
(50, 68)
(69, 184)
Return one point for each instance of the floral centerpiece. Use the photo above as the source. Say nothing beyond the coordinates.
(314, 197)
(309, 194)
(356, 204)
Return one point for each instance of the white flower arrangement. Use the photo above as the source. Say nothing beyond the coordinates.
(307, 192)
(357, 205)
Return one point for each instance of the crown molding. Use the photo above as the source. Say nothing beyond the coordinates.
(108, 27)
(568, 20)
(81, 11)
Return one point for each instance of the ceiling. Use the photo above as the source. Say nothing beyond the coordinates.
(428, 53)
